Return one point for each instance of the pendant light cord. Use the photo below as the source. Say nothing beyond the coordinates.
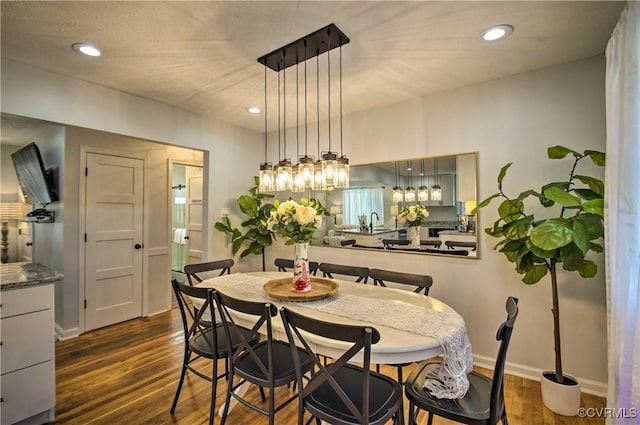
(284, 101)
(279, 109)
(318, 96)
(306, 140)
(329, 83)
(265, 115)
(341, 151)
(297, 113)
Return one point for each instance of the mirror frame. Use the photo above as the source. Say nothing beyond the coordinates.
(461, 187)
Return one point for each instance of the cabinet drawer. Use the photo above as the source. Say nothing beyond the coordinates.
(25, 300)
(27, 339)
(27, 392)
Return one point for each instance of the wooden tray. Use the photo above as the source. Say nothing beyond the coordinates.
(320, 288)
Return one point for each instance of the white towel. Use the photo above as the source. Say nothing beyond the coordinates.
(179, 235)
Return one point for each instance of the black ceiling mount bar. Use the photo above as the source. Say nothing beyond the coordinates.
(318, 42)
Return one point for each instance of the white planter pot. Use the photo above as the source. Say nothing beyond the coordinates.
(563, 399)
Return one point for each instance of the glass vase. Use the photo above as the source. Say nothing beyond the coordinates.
(301, 278)
(414, 236)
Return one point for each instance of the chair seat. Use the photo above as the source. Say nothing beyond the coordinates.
(284, 370)
(473, 407)
(201, 342)
(384, 394)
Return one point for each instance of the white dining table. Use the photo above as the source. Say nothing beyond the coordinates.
(396, 346)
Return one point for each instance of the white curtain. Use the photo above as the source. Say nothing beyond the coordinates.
(622, 220)
(363, 201)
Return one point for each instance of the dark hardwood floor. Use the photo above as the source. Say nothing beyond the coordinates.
(127, 374)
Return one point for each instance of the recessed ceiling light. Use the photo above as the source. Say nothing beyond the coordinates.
(254, 110)
(86, 49)
(496, 32)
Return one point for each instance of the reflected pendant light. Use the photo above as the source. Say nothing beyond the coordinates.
(436, 190)
(410, 191)
(266, 178)
(329, 158)
(284, 172)
(398, 193)
(423, 191)
(341, 179)
(305, 164)
(298, 179)
(319, 176)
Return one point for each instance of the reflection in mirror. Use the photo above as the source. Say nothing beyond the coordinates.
(368, 215)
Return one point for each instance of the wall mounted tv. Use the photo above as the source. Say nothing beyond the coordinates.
(37, 183)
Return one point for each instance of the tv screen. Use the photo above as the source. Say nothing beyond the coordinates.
(33, 179)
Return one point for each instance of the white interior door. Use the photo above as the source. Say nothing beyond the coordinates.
(194, 181)
(25, 242)
(113, 233)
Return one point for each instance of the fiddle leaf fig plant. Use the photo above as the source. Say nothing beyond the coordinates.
(257, 236)
(573, 228)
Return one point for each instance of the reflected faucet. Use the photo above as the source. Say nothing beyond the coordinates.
(371, 222)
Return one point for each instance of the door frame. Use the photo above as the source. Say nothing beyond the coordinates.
(170, 163)
(82, 225)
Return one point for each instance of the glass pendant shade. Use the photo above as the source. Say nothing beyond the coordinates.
(298, 181)
(341, 178)
(319, 178)
(305, 168)
(398, 194)
(267, 178)
(436, 193)
(410, 194)
(329, 167)
(284, 175)
(423, 193)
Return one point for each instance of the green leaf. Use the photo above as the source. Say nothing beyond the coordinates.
(596, 247)
(511, 256)
(539, 252)
(510, 210)
(594, 206)
(512, 246)
(558, 152)
(535, 274)
(524, 260)
(528, 193)
(586, 194)
(572, 257)
(588, 269)
(495, 231)
(484, 203)
(235, 247)
(503, 172)
(518, 229)
(551, 234)
(597, 157)
(594, 184)
(580, 236)
(593, 223)
(561, 197)
(222, 227)
(248, 205)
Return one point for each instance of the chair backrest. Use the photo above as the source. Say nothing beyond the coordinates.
(348, 242)
(462, 252)
(192, 319)
(192, 270)
(284, 264)
(361, 337)
(460, 244)
(329, 269)
(392, 242)
(262, 314)
(504, 336)
(420, 281)
(431, 242)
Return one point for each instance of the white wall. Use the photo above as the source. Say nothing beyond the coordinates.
(9, 193)
(512, 119)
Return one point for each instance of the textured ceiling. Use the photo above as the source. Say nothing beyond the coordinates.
(201, 56)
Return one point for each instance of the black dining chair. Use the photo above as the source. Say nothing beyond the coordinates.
(484, 401)
(268, 364)
(341, 393)
(431, 242)
(284, 264)
(395, 242)
(194, 271)
(462, 252)
(202, 340)
(348, 242)
(460, 244)
(421, 282)
(329, 269)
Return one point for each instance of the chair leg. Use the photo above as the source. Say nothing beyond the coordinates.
(503, 419)
(272, 406)
(262, 396)
(430, 421)
(185, 361)
(227, 401)
(214, 381)
(412, 414)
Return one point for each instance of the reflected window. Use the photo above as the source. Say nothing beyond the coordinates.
(358, 201)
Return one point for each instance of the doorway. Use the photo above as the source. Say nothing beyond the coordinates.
(186, 216)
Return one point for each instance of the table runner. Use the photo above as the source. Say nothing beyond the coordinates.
(448, 380)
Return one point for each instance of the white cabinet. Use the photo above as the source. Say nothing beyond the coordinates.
(371, 239)
(27, 370)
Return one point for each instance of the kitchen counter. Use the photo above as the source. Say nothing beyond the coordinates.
(370, 239)
(375, 232)
(23, 274)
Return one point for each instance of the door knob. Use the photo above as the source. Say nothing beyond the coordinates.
(186, 237)
(29, 243)
(137, 246)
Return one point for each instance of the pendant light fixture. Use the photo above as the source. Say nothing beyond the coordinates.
(423, 191)
(436, 190)
(410, 191)
(266, 175)
(298, 179)
(328, 166)
(398, 193)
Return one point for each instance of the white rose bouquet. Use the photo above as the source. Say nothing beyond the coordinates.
(414, 215)
(296, 221)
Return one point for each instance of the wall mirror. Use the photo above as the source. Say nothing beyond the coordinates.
(366, 215)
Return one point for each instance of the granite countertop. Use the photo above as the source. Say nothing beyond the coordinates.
(16, 275)
(375, 232)
(455, 232)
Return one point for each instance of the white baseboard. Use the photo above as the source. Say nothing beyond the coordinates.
(62, 334)
(587, 385)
